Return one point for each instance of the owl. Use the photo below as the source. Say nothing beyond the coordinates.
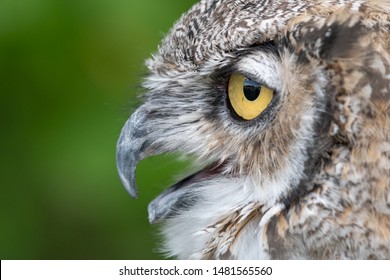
(285, 106)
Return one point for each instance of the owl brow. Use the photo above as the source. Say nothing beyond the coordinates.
(266, 47)
(225, 71)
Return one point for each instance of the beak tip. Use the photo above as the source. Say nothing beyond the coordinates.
(132, 191)
(129, 185)
(153, 215)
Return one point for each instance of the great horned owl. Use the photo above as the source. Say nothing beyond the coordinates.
(287, 104)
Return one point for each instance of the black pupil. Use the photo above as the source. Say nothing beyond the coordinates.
(251, 89)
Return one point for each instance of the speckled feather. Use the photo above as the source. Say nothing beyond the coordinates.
(309, 178)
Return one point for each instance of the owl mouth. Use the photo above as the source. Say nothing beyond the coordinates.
(134, 144)
(181, 195)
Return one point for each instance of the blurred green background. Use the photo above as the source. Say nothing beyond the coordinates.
(69, 74)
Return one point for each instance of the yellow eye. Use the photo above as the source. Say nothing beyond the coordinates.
(248, 98)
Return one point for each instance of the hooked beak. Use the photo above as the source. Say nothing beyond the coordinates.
(136, 143)
(130, 149)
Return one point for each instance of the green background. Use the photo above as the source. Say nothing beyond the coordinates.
(69, 74)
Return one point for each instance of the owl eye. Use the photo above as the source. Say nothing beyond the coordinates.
(247, 97)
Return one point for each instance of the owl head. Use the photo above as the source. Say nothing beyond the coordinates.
(272, 98)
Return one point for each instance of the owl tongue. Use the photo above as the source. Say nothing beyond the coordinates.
(181, 194)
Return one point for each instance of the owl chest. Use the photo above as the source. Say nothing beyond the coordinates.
(343, 217)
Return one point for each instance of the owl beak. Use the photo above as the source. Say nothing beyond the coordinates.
(130, 149)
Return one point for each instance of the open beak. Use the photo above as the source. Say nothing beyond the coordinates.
(135, 143)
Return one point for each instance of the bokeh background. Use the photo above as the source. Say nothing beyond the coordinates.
(69, 75)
